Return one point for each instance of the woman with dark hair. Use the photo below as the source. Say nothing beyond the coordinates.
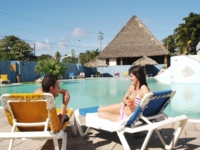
(136, 91)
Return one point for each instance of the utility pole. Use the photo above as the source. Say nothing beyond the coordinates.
(78, 45)
(100, 37)
(78, 51)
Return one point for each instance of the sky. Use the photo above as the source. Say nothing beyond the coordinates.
(63, 25)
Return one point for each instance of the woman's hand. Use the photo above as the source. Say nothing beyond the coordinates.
(131, 103)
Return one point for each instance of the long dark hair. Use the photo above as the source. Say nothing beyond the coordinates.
(138, 71)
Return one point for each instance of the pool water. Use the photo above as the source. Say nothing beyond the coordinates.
(104, 91)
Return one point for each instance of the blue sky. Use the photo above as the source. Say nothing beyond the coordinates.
(63, 25)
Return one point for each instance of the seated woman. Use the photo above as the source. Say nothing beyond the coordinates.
(136, 91)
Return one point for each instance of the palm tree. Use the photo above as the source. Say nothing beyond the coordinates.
(50, 66)
(57, 55)
(187, 35)
(88, 55)
(170, 44)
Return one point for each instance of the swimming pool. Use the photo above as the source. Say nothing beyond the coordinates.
(103, 91)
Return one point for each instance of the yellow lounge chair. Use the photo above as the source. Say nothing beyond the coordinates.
(33, 116)
(4, 79)
(125, 74)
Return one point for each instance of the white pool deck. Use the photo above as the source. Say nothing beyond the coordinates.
(102, 140)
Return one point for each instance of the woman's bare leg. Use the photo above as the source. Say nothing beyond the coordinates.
(111, 112)
(114, 108)
(109, 116)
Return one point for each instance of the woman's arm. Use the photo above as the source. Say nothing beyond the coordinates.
(126, 96)
(144, 90)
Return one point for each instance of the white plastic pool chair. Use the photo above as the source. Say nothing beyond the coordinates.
(129, 126)
(33, 116)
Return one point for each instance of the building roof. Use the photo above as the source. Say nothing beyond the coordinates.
(134, 40)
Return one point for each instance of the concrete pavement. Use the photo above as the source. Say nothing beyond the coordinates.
(102, 140)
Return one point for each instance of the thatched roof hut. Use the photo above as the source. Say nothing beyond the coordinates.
(143, 61)
(132, 42)
(95, 63)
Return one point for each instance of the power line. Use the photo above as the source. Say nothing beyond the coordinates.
(26, 31)
(31, 19)
(34, 32)
(28, 18)
(50, 43)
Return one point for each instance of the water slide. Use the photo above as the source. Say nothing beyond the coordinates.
(183, 69)
(184, 76)
(165, 76)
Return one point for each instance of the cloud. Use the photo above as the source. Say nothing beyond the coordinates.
(43, 48)
(43, 45)
(78, 33)
(146, 20)
(93, 46)
(62, 43)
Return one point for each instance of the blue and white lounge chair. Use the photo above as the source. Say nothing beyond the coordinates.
(144, 111)
(155, 108)
(71, 75)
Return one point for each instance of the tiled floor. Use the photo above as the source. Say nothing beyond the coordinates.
(102, 140)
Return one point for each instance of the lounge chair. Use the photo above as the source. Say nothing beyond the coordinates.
(93, 74)
(125, 74)
(71, 75)
(149, 73)
(117, 74)
(33, 116)
(99, 74)
(39, 80)
(4, 79)
(129, 125)
(81, 75)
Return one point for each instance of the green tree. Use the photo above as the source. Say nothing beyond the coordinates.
(6, 56)
(187, 35)
(74, 58)
(17, 48)
(71, 59)
(170, 44)
(50, 67)
(88, 55)
(58, 55)
(44, 56)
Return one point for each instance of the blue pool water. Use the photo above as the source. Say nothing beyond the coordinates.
(104, 91)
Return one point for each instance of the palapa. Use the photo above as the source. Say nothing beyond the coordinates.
(133, 40)
(145, 61)
(95, 63)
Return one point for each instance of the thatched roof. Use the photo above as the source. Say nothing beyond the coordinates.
(134, 40)
(143, 61)
(95, 63)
